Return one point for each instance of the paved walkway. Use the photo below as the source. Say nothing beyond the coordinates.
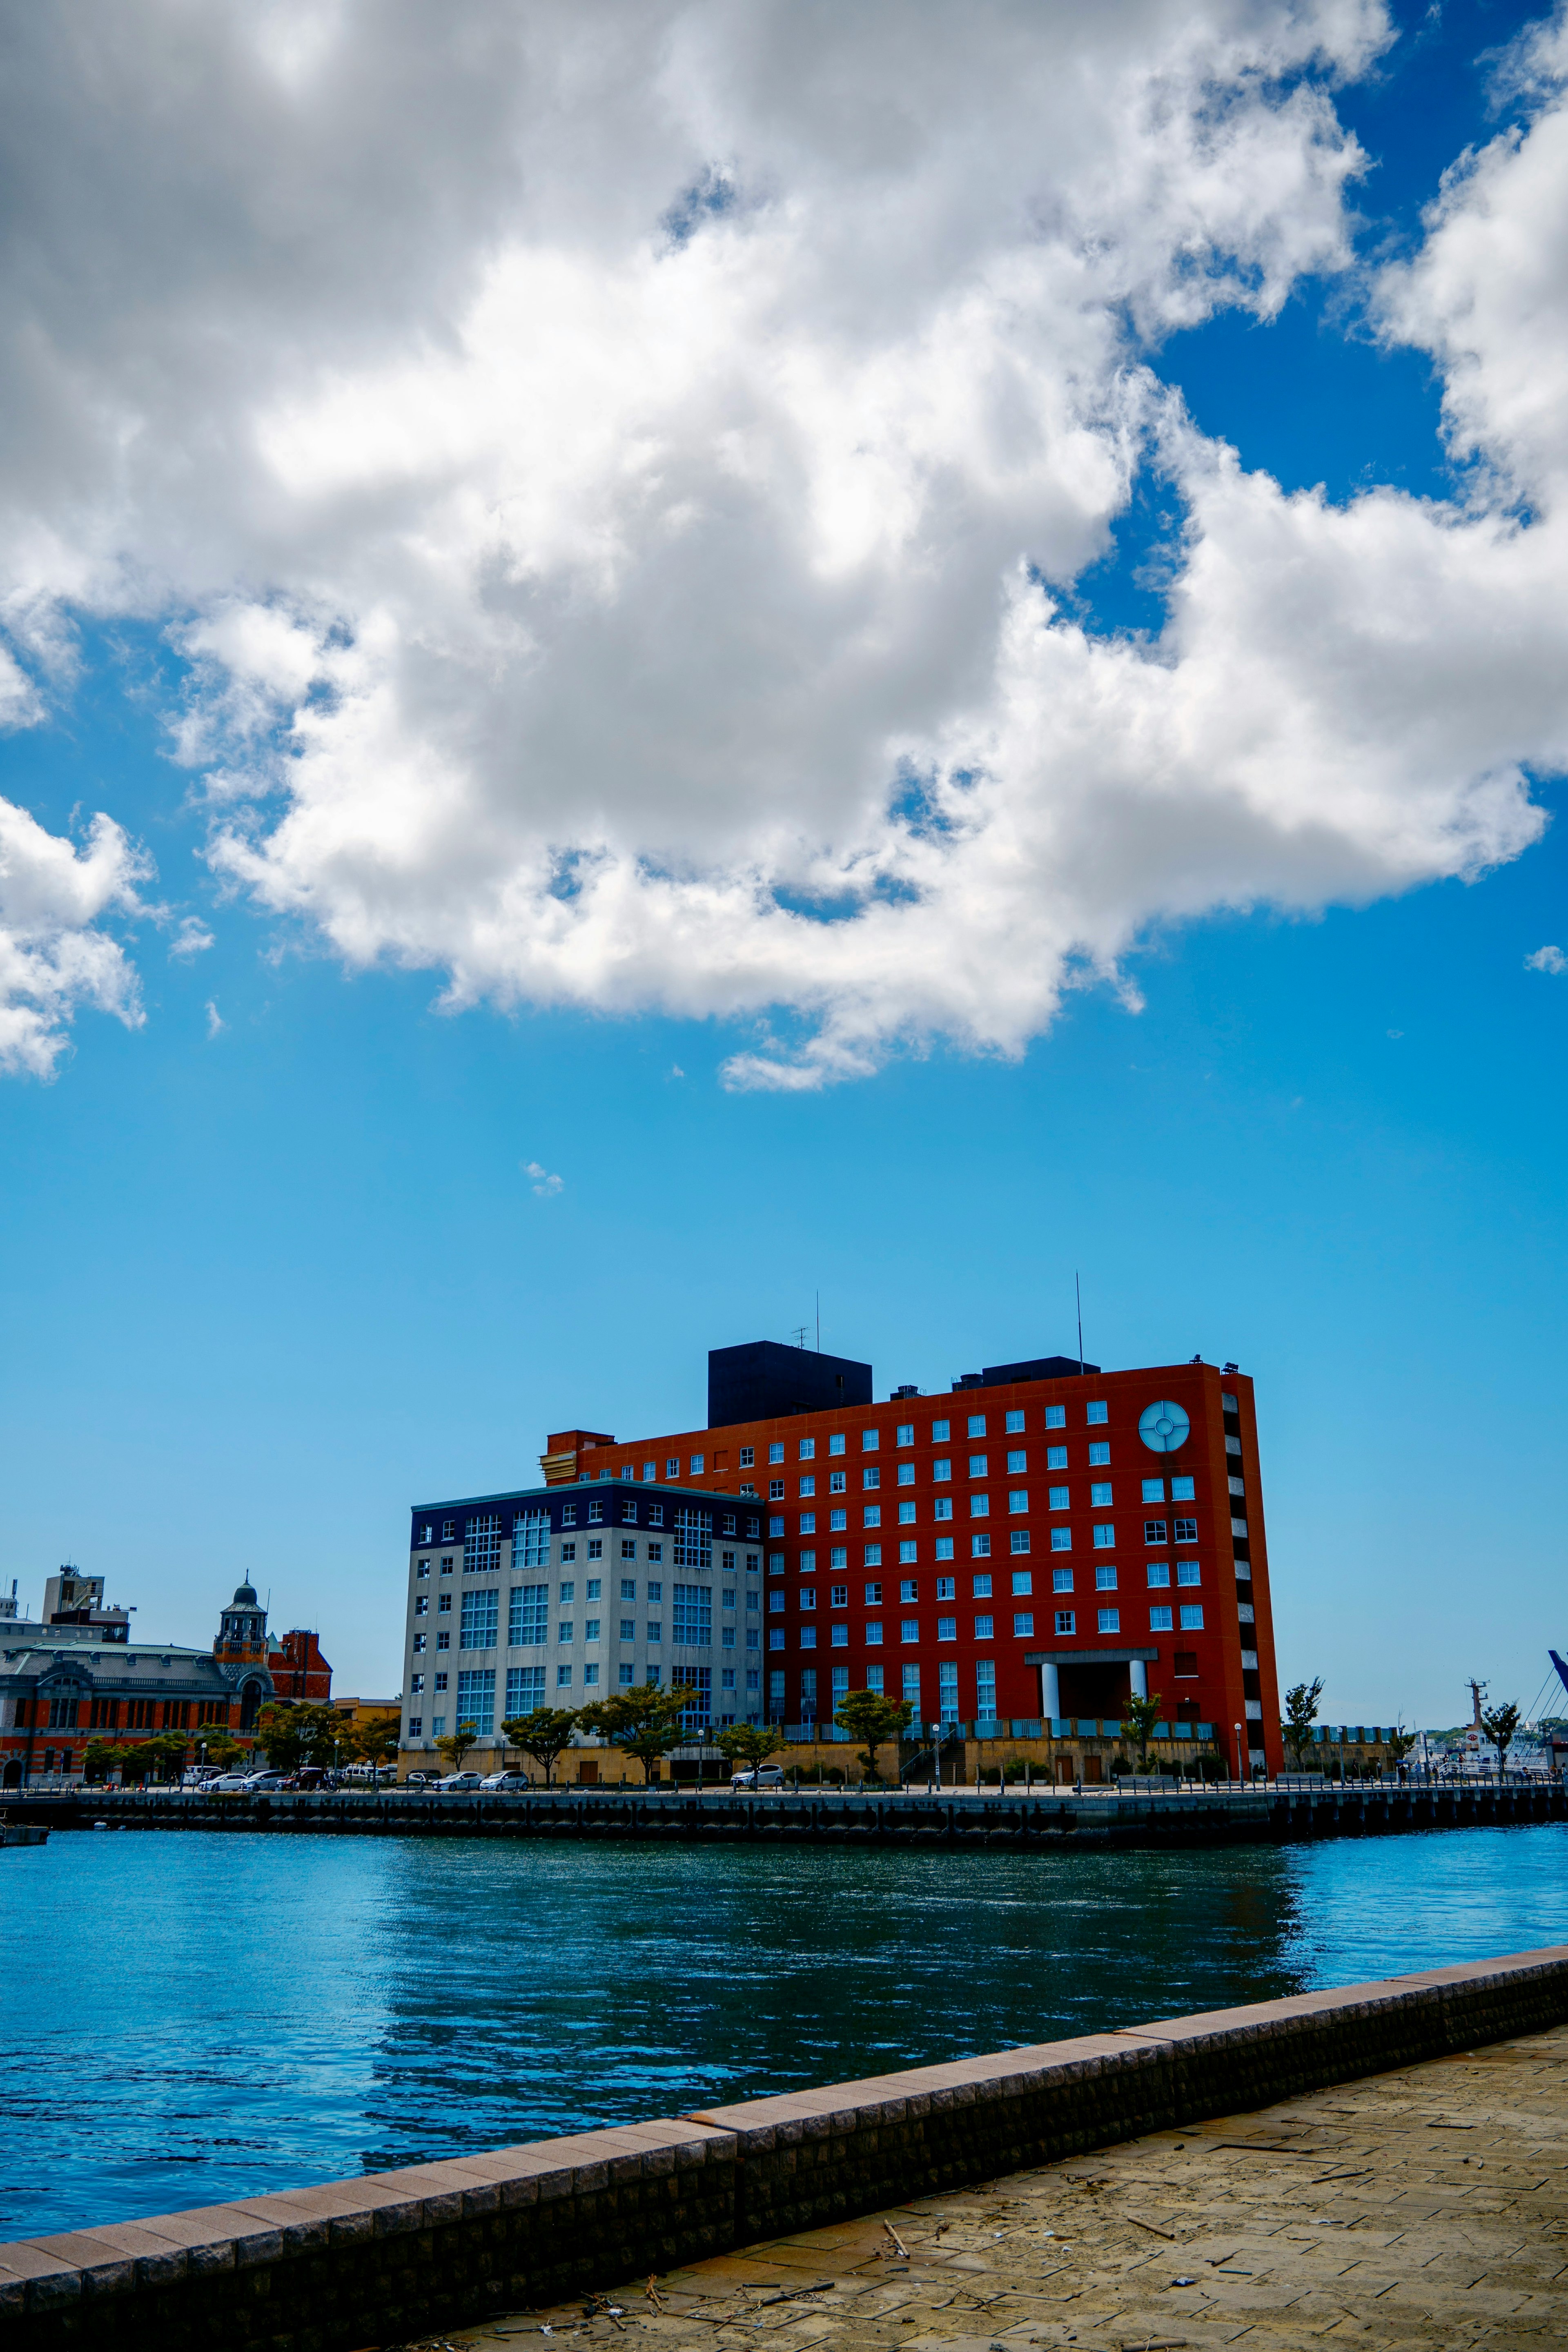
(1423, 2209)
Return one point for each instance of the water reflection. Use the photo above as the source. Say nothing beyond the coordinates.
(274, 2014)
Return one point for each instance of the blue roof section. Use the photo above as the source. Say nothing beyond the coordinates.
(552, 1500)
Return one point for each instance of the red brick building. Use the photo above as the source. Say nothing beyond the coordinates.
(1034, 1546)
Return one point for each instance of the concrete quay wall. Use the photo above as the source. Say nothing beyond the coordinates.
(1049, 1820)
(396, 2255)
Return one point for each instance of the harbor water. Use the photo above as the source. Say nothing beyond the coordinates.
(197, 2017)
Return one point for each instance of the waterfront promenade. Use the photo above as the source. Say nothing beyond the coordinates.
(1425, 2209)
(1049, 1819)
(1383, 2162)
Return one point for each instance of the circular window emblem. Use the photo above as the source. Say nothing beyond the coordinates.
(1163, 1427)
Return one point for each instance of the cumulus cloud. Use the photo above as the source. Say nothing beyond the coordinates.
(545, 1184)
(217, 1024)
(54, 954)
(1551, 960)
(192, 938)
(616, 478)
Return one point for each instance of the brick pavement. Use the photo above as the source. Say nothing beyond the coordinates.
(1427, 2207)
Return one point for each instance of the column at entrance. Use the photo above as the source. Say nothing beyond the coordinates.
(1140, 1673)
(1050, 1695)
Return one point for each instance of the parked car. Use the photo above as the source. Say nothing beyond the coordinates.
(256, 1781)
(459, 1781)
(506, 1781)
(765, 1776)
(420, 1780)
(229, 1781)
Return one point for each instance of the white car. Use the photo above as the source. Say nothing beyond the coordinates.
(229, 1781)
(459, 1781)
(255, 1780)
(766, 1776)
(506, 1781)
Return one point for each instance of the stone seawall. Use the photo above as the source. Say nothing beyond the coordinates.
(1048, 1820)
(396, 2256)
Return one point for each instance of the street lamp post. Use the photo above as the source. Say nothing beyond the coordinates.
(1240, 1772)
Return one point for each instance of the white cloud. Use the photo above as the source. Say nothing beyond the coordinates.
(192, 938)
(1551, 960)
(53, 954)
(217, 1024)
(607, 594)
(544, 1183)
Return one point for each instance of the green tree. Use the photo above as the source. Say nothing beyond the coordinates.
(1300, 1714)
(543, 1734)
(221, 1749)
(99, 1758)
(1139, 1717)
(873, 1720)
(1400, 1743)
(642, 1722)
(750, 1744)
(162, 1758)
(1499, 1724)
(376, 1742)
(290, 1735)
(455, 1745)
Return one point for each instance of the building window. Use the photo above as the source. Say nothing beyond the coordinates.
(775, 1454)
(980, 1507)
(1158, 1572)
(1019, 1539)
(977, 1463)
(531, 1539)
(528, 1620)
(693, 1545)
(807, 1488)
(912, 1688)
(980, 1586)
(807, 1453)
(629, 1629)
(906, 1473)
(415, 1726)
(479, 1623)
(775, 1491)
(1024, 1580)
(1100, 1495)
(838, 1555)
(1105, 1536)
(840, 1637)
(1192, 1616)
(477, 1699)
(1154, 1531)
(1154, 1490)
(568, 1554)
(977, 1424)
(944, 1588)
(1111, 1621)
(874, 1633)
(628, 1547)
(1159, 1620)
(984, 1628)
(871, 1439)
(1105, 1580)
(423, 1569)
(419, 1641)
(1023, 1626)
(940, 1470)
(699, 1465)
(1182, 1490)
(906, 1433)
(873, 1556)
(906, 1515)
(947, 1690)
(1186, 1530)
(563, 1635)
(909, 1630)
(691, 1615)
(872, 1516)
(1096, 1413)
(1186, 1665)
(1061, 1539)
(595, 1547)
(836, 1443)
(1061, 1499)
(444, 1638)
(1018, 1499)
(942, 1508)
(808, 1637)
(1099, 1456)
(1017, 1463)
(524, 1689)
(563, 1677)
(1188, 1572)
(655, 1553)
(1066, 1620)
(979, 1547)
(422, 1604)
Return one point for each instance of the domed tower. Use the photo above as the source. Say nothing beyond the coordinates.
(242, 1630)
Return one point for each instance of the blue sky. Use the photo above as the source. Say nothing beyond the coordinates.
(274, 1268)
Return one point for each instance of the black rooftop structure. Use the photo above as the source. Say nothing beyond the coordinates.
(763, 1381)
(1038, 1368)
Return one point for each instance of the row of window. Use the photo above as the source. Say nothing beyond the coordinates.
(1182, 1490)
(979, 1549)
(1012, 1425)
(1156, 1531)
(1108, 1621)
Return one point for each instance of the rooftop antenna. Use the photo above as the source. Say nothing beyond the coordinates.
(798, 1332)
(1078, 1294)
